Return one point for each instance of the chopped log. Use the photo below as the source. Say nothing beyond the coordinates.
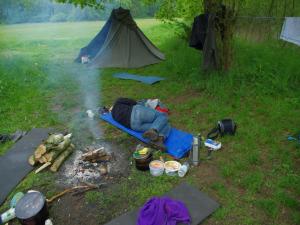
(54, 139)
(95, 155)
(40, 151)
(42, 160)
(52, 155)
(60, 159)
(43, 167)
(63, 145)
(32, 161)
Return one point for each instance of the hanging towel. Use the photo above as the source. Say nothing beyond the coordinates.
(291, 30)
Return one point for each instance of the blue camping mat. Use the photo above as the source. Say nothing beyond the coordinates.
(143, 79)
(178, 143)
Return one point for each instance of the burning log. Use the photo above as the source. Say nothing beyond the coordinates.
(61, 158)
(96, 155)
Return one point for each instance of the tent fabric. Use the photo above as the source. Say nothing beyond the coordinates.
(291, 30)
(121, 44)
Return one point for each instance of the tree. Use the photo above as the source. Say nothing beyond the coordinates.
(171, 10)
(100, 4)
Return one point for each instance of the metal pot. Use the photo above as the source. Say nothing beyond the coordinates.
(32, 209)
(143, 163)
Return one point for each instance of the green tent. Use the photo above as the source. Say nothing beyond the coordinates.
(121, 44)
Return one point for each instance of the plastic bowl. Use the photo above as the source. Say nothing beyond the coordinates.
(172, 167)
(156, 168)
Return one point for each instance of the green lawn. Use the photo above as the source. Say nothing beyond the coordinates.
(255, 176)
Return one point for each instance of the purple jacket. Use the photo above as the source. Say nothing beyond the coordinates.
(163, 211)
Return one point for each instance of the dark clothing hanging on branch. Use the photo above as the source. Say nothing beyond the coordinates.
(199, 31)
(210, 51)
(207, 29)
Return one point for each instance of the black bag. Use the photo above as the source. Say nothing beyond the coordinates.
(226, 126)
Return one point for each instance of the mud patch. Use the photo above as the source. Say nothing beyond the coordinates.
(73, 210)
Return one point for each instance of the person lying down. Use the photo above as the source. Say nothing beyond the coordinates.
(147, 116)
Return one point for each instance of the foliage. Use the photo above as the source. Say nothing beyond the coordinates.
(21, 11)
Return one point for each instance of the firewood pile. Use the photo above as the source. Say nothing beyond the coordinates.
(53, 152)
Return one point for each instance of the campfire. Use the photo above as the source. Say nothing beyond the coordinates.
(94, 164)
(96, 159)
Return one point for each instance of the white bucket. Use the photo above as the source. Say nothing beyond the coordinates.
(156, 168)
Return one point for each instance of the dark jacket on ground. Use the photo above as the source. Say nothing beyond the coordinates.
(122, 109)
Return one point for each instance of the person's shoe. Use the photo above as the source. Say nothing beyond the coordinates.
(151, 134)
(159, 144)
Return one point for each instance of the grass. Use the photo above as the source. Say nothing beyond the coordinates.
(255, 176)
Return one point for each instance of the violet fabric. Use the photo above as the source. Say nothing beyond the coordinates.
(163, 211)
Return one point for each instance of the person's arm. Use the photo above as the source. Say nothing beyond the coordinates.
(126, 101)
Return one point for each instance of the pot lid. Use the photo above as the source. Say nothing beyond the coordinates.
(30, 205)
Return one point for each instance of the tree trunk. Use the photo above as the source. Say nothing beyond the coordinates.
(223, 34)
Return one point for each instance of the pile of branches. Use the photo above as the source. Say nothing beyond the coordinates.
(53, 151)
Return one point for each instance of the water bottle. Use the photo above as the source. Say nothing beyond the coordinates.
(7, 216)
(183, 169)
(195, 151)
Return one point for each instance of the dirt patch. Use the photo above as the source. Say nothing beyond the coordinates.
(183, 97)
(73, 210)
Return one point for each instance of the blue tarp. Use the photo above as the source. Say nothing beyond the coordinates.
(143, 79)
(178, 142)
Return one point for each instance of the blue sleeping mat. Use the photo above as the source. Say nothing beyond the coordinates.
(144, 79)
(178, 142)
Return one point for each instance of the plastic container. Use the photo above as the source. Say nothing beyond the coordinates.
(157, 168)
(172, 167)
(183, 169)
(7, 216)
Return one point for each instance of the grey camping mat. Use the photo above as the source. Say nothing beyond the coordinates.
(14, 164)
(200, 206)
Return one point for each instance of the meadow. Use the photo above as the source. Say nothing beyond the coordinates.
(255, 177)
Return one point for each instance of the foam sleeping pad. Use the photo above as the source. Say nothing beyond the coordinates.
(144, 79)
(178, 143)
(199, 205)
(14, 164)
